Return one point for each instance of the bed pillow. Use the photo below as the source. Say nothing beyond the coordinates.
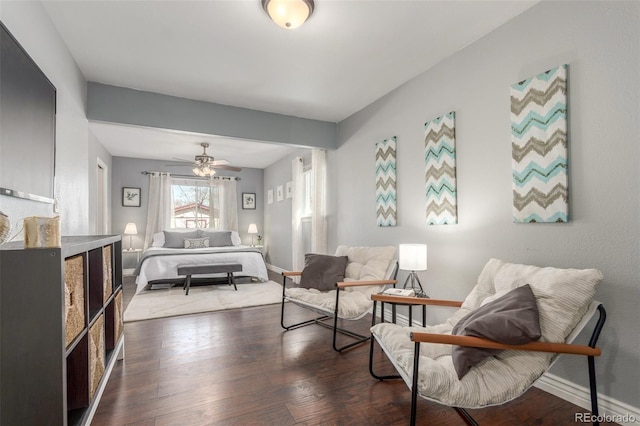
(175, 239)
(235, 238)
(512, 319)
(157, 240)
(217, 238)
(322, 271)
(193, 243)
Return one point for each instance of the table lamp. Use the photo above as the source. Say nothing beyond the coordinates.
(413, 257)
(130, 230)
(253, 229)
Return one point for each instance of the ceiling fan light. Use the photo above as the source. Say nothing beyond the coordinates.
(288, 14)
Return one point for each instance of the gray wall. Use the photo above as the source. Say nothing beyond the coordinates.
(136, 107)
(277, 216)
(31, 26)
(600, 42)
(127, 173)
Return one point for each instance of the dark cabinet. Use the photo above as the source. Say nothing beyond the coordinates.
(61, 328)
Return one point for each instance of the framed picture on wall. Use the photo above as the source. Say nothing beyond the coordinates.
(130, 197)
(248, 201)
(288, 191)
(279, 193)
(270, 196)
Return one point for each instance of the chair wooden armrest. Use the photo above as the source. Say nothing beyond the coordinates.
(344, 284)
(388, 298)
(477, 342)
(291, 274)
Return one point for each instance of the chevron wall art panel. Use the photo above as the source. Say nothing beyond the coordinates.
(386, 182)
(440, 170)
(539, 147)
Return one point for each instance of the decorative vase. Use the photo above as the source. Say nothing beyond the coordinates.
(5, 227)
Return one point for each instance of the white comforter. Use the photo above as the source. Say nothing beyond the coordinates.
(166, 266)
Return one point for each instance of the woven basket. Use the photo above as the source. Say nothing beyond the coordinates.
(5, 227)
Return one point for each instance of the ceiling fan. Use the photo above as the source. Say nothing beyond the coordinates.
(206, 165)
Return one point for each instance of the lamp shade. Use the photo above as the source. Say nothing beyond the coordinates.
(288, 14)
(130, 229)
(412, 257)
(253, 228)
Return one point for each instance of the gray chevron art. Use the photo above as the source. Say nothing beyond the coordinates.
(440, 170)
(386, 214)
(539, 147)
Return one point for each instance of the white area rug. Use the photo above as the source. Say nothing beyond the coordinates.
(171, 302)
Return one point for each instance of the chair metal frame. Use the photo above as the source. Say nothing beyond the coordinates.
(327, 314)
(590, 350)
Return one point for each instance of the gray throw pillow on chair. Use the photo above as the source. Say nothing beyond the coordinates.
(322, 271)
(511, 319)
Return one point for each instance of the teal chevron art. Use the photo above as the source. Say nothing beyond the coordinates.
(440, 170)
(386, 182)
(539, 148)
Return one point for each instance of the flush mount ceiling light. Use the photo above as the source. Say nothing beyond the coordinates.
(288, 14)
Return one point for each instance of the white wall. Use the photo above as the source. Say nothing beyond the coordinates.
(97, 152)
(600, 42)
(30, 25)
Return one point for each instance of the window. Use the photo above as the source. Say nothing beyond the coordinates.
(195, 204)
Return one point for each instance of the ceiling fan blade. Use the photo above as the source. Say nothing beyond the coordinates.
(231, 168)
(220, 162)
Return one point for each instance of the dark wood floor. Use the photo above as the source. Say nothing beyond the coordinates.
(239, 367)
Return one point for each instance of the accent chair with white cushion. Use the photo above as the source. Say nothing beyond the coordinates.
(350, 278)
(434, 361)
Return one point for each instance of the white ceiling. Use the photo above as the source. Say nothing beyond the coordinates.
(348, 54)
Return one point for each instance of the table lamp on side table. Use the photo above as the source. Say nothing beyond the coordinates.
(413, 257)
(130, 230)
(253, 229)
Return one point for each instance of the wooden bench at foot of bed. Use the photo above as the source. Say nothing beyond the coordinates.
(216, 268)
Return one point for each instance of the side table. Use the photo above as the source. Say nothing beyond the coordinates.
(137, 252)
(398, 301)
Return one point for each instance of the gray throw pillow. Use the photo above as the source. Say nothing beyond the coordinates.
(217, 238)
(512, 319)
(175, 239)
(322, 271)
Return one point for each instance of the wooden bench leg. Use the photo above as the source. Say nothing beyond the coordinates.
(232, 280)
(187, 284)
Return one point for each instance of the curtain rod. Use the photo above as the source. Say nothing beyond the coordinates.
(195, 177)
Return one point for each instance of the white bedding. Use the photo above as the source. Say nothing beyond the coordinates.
(166, 267)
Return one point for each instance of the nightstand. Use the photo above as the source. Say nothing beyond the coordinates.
(136, 251)
(129, 271)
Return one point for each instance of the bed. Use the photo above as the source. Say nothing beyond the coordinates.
(159, 263)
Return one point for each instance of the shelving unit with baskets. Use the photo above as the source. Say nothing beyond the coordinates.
(61, 328)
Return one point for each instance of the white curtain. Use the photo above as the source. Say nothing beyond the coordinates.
(297, 246)
(319, 201)
(160, 211)
(228, 203)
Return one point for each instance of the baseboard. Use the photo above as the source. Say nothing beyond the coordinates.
(610, 409)
(275, 269)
